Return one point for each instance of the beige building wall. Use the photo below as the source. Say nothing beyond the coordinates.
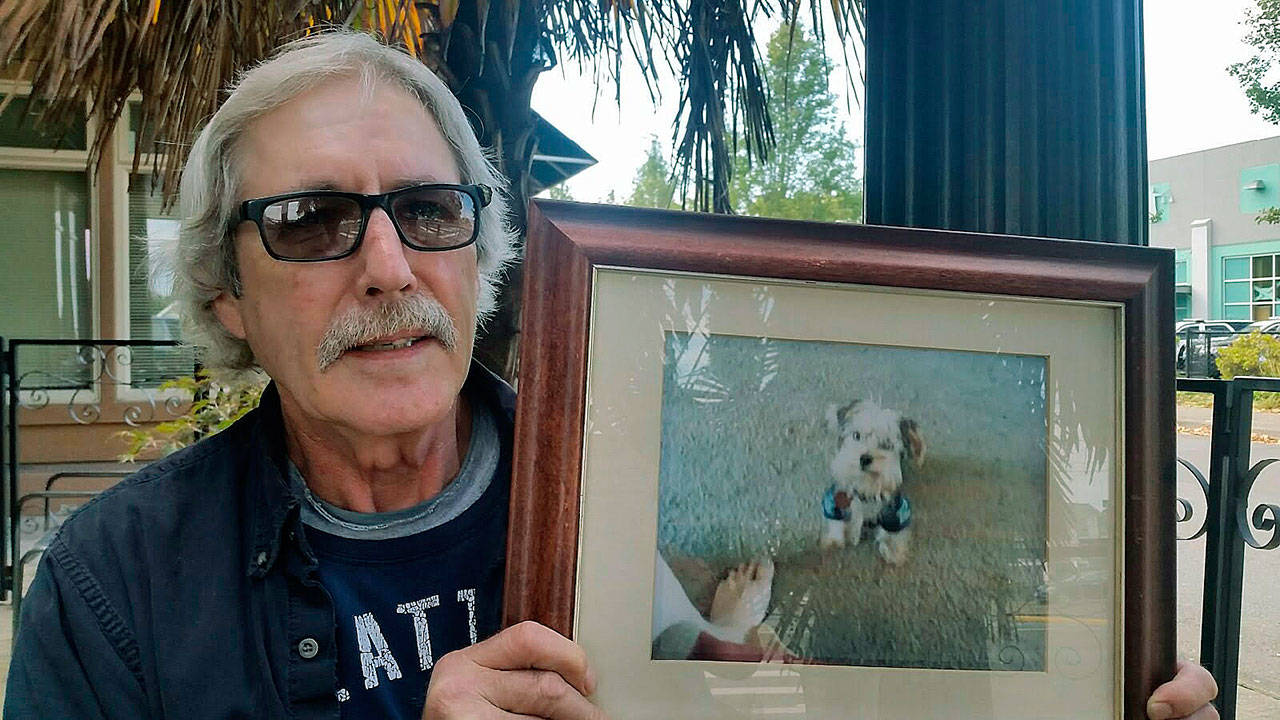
(1206, 185)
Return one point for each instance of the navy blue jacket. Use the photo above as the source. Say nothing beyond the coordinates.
(186, 590)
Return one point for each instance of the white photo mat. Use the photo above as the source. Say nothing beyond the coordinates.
(631, 313)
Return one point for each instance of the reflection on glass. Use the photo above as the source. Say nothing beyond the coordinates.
(46, 255)
(714, 453)
(850, 504)
(1235, 268)
(153, 231)
(20, 128)
(1082, 580)
(1262, 266)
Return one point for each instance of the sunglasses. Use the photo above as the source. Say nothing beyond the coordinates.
(316, 225)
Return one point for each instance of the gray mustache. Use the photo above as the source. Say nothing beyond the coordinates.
(359, 326)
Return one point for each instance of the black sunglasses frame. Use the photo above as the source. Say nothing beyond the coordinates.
(252, 210)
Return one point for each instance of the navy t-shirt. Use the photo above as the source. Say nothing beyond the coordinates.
(401, 603)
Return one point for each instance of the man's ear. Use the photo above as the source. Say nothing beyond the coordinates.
(227, 308)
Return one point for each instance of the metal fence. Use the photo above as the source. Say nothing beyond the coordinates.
(1229, 525)
(1198, 349)
(78, 382)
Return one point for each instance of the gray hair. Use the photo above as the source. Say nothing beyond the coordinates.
(204, 263)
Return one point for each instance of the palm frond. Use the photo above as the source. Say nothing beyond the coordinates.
(180, 55)
(708, 45)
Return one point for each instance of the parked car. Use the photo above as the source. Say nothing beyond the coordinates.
(1206, 337)
(1270, 326)
(1199, 357)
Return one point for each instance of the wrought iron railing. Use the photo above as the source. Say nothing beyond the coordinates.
(86, 382)
(1230, 526)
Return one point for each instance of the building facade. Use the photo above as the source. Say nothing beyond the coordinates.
(1205, 205)
(80, 248)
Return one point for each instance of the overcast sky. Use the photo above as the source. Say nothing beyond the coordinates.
(1192, 104)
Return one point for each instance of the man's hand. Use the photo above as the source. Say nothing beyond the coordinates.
(1186, 696)
(525, 671)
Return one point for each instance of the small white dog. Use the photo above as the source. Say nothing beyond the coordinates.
(872, 445)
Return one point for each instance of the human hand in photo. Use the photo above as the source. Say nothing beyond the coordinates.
(526, 671)
(1186, 696)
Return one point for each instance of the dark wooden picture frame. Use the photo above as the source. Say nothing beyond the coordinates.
(566, 241)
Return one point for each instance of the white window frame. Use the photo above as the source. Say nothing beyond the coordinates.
(120, 168)
(1248, 282)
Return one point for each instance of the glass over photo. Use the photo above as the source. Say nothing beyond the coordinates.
(851, 504)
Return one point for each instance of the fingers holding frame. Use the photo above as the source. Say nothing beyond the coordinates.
(1187, 695)
(527, 670)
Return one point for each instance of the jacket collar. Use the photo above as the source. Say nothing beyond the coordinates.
(271, 499)
(273, 503)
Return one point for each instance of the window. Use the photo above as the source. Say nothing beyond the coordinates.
(17, 130)
(45, 244)
(1182, 306)
(1249, 287)
(148, 231)
(1182, 289)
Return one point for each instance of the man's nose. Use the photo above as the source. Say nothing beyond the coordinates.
(386, 265)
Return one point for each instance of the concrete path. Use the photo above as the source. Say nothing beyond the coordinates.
(1264, 423)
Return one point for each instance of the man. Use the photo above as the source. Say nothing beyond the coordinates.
(339, 551)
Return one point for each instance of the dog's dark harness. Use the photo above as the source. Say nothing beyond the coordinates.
(895, 514)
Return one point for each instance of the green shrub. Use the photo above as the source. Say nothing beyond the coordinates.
(219, 401)
(1252, 354)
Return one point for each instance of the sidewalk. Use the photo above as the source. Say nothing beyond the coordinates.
(1264, 423)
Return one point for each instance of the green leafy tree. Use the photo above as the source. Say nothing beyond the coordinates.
(654, 185)
(812, 174)
(1270, 216)
(1255, 354)
(1252, 354)
(1262, 31)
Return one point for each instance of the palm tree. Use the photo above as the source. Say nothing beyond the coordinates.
(180, 54)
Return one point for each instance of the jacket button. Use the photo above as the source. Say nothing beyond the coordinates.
(262, 559)
(308, 648)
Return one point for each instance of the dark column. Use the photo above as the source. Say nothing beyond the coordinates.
(1008, 116)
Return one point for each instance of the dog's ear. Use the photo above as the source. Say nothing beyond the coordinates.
(912, 441)
(836, 415)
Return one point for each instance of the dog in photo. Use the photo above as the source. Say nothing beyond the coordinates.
(872, 445)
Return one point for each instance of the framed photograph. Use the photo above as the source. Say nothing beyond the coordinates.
(766, 467)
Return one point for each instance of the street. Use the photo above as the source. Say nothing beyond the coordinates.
(1259, 682)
